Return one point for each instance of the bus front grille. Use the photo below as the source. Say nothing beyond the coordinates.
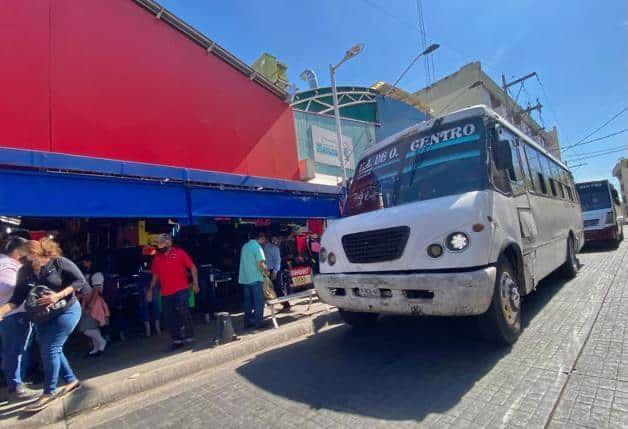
(591, 222)
(376, 246)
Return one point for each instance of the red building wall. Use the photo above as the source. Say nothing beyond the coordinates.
(108, 79)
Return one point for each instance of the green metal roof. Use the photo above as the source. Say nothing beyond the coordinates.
(354, 102)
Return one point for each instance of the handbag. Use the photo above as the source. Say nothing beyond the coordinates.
(269, 290)
(37, 313)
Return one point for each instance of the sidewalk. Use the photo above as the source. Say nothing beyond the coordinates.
(138, 365)
(596, 392)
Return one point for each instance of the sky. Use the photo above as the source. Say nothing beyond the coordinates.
(577, 47)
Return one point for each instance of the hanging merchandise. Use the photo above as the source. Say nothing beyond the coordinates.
(315, 226)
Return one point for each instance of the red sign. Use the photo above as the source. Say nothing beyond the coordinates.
(301, 276)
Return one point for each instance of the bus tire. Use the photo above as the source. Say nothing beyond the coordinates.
(358, 320)
(502, 322)
(615, 243)
(570, 267)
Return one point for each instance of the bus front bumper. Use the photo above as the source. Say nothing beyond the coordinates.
(601, 234)
(431, 294)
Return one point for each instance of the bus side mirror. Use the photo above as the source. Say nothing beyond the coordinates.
(502, 155)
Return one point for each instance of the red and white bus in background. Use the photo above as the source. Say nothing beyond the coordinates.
(601, 211)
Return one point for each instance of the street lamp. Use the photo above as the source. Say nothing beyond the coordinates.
(428, 50)
(355, 50)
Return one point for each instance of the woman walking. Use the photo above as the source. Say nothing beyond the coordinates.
(49, 271)
(15, 329)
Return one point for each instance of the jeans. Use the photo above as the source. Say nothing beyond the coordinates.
(51, 336)
(15, 334)
(253, 304)
(177, 315)
(149, 310)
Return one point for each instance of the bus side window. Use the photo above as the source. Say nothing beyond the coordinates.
(547, 172)
(536, 169)
(570, 193)
(525, 167)
(516, 173)
(557, 179)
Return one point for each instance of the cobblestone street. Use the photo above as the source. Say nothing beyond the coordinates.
(568, 369)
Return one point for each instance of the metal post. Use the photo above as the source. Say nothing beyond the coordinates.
(341, 151)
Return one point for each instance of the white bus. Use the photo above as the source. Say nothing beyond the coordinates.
(601, 210)
(457, 216)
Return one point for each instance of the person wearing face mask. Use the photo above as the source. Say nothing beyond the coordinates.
(47, 268)
(273, 264)
(169, 269)
(15, 329)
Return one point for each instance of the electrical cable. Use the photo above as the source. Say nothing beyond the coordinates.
(597, 129)
(596, 139)
(609, 152)
(549, 105)
(594, 152)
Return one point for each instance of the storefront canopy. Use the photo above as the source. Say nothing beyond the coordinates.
(43, 184)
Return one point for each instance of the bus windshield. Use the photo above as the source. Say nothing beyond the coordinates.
(593, 196)
(444, 160)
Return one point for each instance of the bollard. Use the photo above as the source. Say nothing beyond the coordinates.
(224, 326)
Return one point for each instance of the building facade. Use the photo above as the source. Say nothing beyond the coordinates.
(470, 86)
(620, 171)
(127, 80)
(367, 116)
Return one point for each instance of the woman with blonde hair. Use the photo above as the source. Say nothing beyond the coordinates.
(53, 281)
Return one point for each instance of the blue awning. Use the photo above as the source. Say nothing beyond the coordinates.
(235, 203)
(42, 184)
(25, 193)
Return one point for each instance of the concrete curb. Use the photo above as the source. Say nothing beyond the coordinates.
(92, 396)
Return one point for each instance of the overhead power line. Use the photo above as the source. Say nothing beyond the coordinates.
(549, 104)
(622, 111)
(594, 152)
(608, 152)
(596, 139)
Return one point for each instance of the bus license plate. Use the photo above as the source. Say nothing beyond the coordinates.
(367, 292)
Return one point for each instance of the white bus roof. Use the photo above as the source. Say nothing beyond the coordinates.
(467, 112)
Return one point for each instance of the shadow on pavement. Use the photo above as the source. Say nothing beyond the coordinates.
(396, 371)
(546, 289)
(597, 247)
(403, 369)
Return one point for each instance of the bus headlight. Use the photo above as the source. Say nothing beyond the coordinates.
(322, 255)
(331, 258)
(610, 218)
(457, 241)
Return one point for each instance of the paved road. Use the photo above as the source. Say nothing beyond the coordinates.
(570, 367)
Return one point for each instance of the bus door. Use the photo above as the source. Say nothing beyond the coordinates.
(521, 183)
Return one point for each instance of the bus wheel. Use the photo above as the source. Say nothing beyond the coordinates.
(357, 319)
(570, 267)
(502, 322)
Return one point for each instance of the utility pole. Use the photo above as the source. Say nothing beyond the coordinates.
(538, 106)
(513, 109)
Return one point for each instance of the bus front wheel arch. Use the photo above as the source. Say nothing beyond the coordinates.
(502, 321)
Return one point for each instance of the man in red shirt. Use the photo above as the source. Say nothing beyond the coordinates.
(169, 269)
